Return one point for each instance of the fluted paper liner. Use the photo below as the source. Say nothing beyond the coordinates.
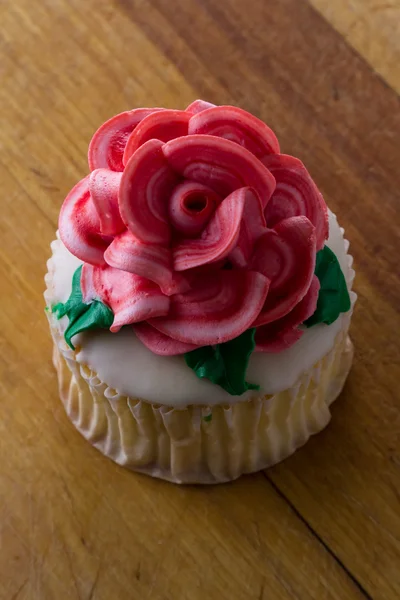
(180, 444)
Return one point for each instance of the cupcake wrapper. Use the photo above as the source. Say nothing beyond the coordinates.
(201, 444)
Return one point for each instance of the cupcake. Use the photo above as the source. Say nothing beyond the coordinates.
(198, 295)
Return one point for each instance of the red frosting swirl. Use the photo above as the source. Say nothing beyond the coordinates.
(193, 228)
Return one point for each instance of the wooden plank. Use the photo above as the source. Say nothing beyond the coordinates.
(77, 526)
(73, 524)
(372, 27)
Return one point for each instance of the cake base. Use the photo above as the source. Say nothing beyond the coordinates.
(202, 444)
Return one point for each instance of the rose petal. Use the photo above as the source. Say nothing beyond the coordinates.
(159, 343)
(131, 298)
(284, 332)
(191, 206)
(286, 255)
(104, 187)
(197, 106)
(164, 125)
(274, 340)
(79, 225)
(219, 309)
(146, 185)
(237, 125)
(296, 194)
(108, 143)
(220, 164)
(306, 307)
(251, 229)
(218, 238)
(128, 253)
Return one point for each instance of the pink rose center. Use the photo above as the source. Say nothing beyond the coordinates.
(191, 206)
(195, 202)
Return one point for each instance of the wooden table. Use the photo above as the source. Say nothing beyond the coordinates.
(325, 524)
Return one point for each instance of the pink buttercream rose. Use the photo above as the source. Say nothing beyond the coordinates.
(193, 228)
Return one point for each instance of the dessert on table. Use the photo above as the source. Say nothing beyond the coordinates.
(199, 296)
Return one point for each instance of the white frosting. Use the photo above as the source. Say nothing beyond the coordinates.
(125, 364)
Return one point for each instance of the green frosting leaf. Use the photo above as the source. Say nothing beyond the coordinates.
(97, 316)
(74, 306)
(333, 297)
(225, 364)
(82, 317)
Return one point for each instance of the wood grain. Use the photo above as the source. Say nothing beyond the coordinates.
(372, 27)
(326, 523)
